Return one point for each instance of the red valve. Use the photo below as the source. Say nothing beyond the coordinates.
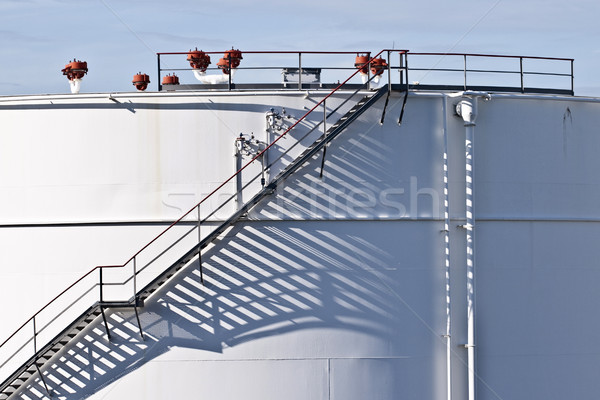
(378, 65)
(141, 81)
(230, 60)
(75, 69)
(362, 63)
(198, 60)
(170, 80)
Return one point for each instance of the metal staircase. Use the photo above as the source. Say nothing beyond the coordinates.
(42, 355)
(334, 131)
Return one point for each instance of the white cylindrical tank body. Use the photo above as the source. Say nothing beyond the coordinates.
(330, 288)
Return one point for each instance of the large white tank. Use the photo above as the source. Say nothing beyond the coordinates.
(351, 280)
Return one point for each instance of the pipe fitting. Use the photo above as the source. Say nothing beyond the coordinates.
(467, 110)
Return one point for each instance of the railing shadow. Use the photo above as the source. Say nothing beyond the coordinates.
(270, 277)
(251, 291)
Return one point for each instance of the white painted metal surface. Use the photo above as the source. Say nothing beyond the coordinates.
(334, 288)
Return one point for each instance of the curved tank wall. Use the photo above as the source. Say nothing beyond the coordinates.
(89, 179)
(333, 287)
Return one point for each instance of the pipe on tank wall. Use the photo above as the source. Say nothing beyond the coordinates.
(448, 334)
(467, 109)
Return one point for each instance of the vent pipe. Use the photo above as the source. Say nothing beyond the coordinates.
(74, 71)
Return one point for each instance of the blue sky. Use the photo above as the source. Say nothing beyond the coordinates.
(120, 38)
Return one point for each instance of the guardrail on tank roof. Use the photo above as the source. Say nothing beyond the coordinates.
(420, 71)
(113, 283)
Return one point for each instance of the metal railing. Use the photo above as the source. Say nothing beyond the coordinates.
(123, 282)
(265, 61)
(422, 71)
(562, 70)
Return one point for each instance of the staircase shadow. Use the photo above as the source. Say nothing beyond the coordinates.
(283, 271)
(249, 292)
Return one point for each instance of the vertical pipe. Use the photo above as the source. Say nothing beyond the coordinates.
(447, 255)
(470, 222)
(238, 177)
(467, 109)
(263, 166)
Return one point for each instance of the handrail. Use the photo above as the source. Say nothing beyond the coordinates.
(258, 155)
(277, 52)
(272, 162)
(299, 62)
(555, 86)
(146, 246)
(58, 296)
(521, 71)
(491, 56)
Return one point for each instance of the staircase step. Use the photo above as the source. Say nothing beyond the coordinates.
(57, 347)
(25, 375)
(117, 304)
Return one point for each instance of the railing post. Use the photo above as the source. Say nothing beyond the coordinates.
(324, 136)
(389, 71)
(299, 71)
(34, 337)
(401, 69)
(572, 79)
(229, 62)
(369, 70)
(100, 269)
(324, 117)
(200, 248)
(521, 73)
(406, 71)
(158, 77)
(135, 279)
(465, 71)
(37, 367)
(101, 285)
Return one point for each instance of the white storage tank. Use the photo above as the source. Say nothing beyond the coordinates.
(441, 245)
